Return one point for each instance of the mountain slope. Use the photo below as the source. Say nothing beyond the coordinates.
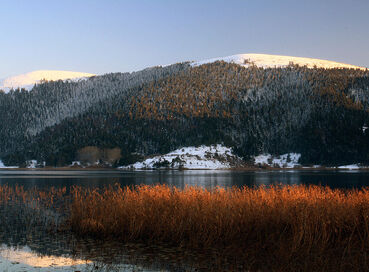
(25, 114)
(315, 112)
(273, 61)
(27, 80)
(321, 114)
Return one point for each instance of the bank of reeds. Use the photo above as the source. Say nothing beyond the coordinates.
(284, 228)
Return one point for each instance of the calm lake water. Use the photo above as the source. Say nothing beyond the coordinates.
(27, 244)
(204, 178)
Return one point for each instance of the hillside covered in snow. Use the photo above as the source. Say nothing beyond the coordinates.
(202, 157)
(275, 61)
(28, 80)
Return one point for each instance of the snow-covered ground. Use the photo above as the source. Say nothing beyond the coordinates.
(202, 157)
(350, 167)
(28, 80)
(271, 61)
(76, 163)
(3, 166)
(289, 160)
(31, 164)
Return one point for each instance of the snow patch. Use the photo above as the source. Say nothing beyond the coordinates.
(3, 166)
(31, 164)
(272, 61)
(76, 163)
(202, 157)
(35, 164)
(289, 160)
(350, 167)
(28, 80)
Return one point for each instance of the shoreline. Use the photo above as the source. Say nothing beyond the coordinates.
(243, 169)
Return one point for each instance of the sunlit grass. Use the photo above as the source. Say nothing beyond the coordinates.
(278, 227)
(225, 216)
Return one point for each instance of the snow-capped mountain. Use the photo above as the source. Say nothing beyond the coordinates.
(272, 61)
(28, 80)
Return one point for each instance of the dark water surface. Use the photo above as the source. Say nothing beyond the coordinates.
(28, 243)
(204, 178)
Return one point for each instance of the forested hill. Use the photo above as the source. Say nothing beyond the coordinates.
(321, 113)
(24, 114)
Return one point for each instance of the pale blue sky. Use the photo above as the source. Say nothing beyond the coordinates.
(111, 35)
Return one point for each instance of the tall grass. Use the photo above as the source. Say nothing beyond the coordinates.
(290, 227)
(283, 228)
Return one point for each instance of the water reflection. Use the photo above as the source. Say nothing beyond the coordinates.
(32, 240)
(23, 258)
(204, 178)
(269, 178)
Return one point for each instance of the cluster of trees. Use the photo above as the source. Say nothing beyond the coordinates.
(92, 154)
(320, 113)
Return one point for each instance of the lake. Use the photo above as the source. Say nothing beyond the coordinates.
(27, 245)
(204, 178)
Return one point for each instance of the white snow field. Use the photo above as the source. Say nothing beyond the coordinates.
(272, 61)
(289, 160)
(28, 80)
(202, 157)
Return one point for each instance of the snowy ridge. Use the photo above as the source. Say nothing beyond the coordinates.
(272, 61)
(28, 80)
(202, 157)
(289, 160)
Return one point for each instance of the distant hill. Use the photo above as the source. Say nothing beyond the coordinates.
(266, 104)
(277, 61)
(28, 80)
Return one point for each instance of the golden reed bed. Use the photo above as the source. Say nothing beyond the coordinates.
(279, 228)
